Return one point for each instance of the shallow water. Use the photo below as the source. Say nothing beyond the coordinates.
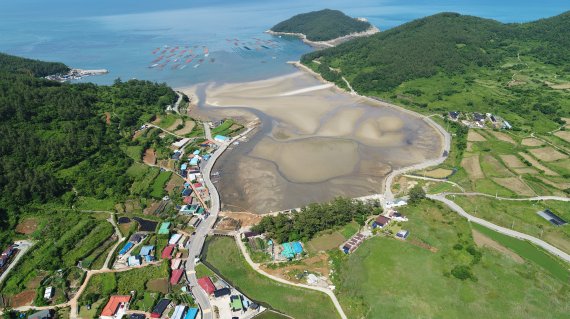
(312, 146)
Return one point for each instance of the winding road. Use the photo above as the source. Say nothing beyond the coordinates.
(499, 229)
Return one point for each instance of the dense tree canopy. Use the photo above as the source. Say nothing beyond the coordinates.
(322, 25)
(56, 138)
(314, 218)
(13, 64)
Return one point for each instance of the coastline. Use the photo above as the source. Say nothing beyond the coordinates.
(328, 43)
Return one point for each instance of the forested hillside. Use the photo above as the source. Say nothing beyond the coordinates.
(10, 63)
(454, 62)
(56, 141)
(322, 25)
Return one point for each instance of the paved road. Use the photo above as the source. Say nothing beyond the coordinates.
(23, 247)
(176, 106)
(536, 198)
(388, 196)
(255, 266)
(197, 242)
(499, 229)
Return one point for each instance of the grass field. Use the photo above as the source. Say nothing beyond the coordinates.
(224, 255)
(270, 315)
(332, 239)
(158, 186)
(530, 252)
(89, 203)
(203, 271)
(521, 216)
(390, 278)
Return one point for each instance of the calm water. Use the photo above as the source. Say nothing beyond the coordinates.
(122, 35)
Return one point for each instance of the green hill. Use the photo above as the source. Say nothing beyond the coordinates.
(10, 63)
(454, 62)
(322, 25)
(56, 143)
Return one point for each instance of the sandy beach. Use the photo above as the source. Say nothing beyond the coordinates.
(315, 142)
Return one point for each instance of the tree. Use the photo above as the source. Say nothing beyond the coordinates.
(417, 193)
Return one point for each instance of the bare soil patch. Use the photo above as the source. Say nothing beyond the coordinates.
(27, 226)
(536, 164)
(516, 185)
(35, 282)
(512, 161)
(469, 147)
(228, 223)
(473, 136)
(174, 125)
(547, 154)
(156, 120)
(318, 264)
(149, 156)
(565, 135)
(188, 127)
(526, 170)
(503, 137)
(25, 298)
(532, 142)
(167, 163)
(484, 241)
(245, 218)
(138, 134)
(437, 173)
(107, 118)
(175, 181)
(471, 165)
(158, 285)
(562, 86)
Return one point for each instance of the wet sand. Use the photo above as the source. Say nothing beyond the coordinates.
(314, 142)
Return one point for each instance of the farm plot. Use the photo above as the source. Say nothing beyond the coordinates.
(536, 164)
(532, 142)
(503, 137)
(512, 161)
(473, 136)
(547, 154)
(473, 168)
(515, 185)
(565, 135)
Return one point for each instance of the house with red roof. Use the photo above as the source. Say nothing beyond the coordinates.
(167, 252)
(207, 285)
(116, 307)
(175, 276)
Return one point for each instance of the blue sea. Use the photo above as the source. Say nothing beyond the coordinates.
(193, 41)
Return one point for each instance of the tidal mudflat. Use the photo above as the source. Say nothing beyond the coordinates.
(314, 143)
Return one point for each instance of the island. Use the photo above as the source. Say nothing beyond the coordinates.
(324, 28)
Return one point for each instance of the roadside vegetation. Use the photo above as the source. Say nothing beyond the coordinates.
(388, 277)
(224, 256)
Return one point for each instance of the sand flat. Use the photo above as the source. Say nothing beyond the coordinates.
(314, 143)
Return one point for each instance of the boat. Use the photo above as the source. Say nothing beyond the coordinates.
(265, 47)
(212, 60)
(174, 67)
(182, 67)
(201, 60)
(247, 48)
(163, 51)
(153, 66)
(196, 66)
(206, 51)
(189, 60)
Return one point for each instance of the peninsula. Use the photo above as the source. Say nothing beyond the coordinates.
(324, 28)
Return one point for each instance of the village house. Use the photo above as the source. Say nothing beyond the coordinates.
(381, 222)
(116, 307)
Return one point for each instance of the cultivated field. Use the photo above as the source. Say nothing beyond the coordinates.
(471, 165)
(473, 136)
(512, 161)
(565, 135)
(547, 154)
(536, 164)
(532, 142)
(515, 185)
(503, 137)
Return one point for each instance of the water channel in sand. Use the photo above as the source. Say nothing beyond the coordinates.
(314, 143)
